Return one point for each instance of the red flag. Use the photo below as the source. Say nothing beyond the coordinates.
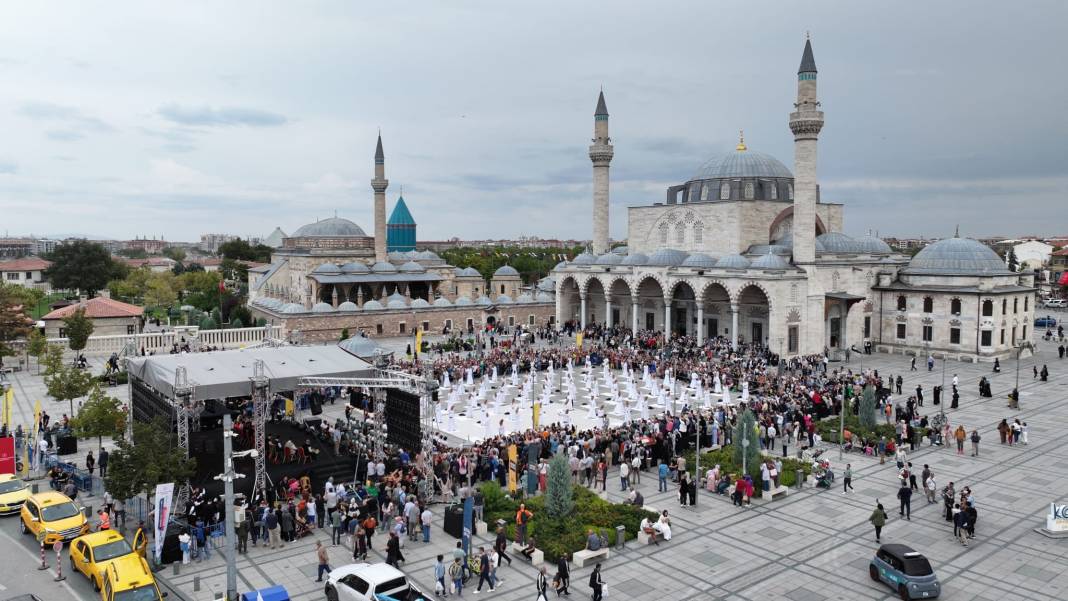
(222, 286)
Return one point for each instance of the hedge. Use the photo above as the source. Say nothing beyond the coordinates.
(563, 537)
(725, 458)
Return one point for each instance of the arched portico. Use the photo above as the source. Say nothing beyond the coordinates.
(618, 309)
(683, 317)
(568, 301)
(649, 305)
(596, 303)
(713, 312)
(750, 316)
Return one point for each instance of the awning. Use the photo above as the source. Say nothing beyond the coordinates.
(832, 299)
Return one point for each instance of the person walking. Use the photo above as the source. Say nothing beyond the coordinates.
(439, 577)
(501, 543)
(596, 583)
(930, 487)
(543, 585)
(847, 478)
(912, 478)
(102, 462)
(1003, 432)
(393, 552)
(563, 574)
(324, 560)
(878, 519)
(904, 494)
(975, 443)
(335, 528)
(456, 574)
(662, 475)
(960, 434)
(624, 476)
(425, 520)
(484, 574)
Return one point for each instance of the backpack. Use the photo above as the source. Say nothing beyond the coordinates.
(455, 570)
(975, 437)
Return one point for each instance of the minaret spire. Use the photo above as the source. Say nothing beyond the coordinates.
(601, 153)
(379, 185)
(806, 122)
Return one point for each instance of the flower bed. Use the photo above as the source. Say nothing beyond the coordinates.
(725, 458)
(556, 537)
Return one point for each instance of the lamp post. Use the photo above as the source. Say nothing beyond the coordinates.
(780, 355)
(841, 428)
(745, 454)
(1016, 389)
(228, 476)
(942, 391)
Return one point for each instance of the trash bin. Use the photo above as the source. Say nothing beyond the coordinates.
(621, 536)
(800, 476)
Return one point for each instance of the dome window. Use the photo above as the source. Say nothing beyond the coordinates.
(725, 191)
(706, 191)
(790, 191)
(773, 191)
(750, 190)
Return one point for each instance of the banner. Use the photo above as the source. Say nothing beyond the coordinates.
(164, 494)
(418, 341)
(513, 464)
(9, 403)
(469, 523)
(578, 340)
(535, 416)
(7, 455)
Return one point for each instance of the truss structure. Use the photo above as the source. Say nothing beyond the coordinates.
(260, 403)
(186, 408)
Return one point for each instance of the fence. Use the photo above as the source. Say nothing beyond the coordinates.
(163, 341)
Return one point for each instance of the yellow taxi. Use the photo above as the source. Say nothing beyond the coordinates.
(129, 579)
(51, 517)
(91, 554)
(13, 493)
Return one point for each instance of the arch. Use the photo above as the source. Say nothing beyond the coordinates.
(714, 291)
(928, 304)
(754, 313)
(744, 293)
(617, 286)
(644, 283)
(902, 302)
(788, 212)
(595, 301)
(678, 293)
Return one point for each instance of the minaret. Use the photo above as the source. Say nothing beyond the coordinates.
(601, 155)
(379, 185)
(806, 122)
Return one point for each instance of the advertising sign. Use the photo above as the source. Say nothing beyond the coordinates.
(164, 496)
(7, 455)
(1057, 520)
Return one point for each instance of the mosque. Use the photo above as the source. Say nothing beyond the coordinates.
(330, 276)
(748, 251)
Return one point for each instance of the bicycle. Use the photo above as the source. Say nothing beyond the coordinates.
(474, 568)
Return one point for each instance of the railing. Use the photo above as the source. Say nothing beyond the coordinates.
(164, 341)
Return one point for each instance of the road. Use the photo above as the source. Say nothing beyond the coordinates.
(20, 556)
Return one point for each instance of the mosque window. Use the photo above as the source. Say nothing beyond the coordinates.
(902, 303)
(448, 324)
(1004, 306)
(680, 234)
(706, 191)
(928, 333)
(695, 190)
(986, 338)
(1025, 332)
(928, 304)
(426, 327)
(954, 335)
(502, 288)
(725, 191)
(792, 335)
(1026, 303)
(954, 306)
(749, 190)
(900, 331)
(511, 321)
(1015, 305)
(773, 191)
(530, 320)
(790, 191)
(698, 233)
(378, 328)
(401, 327)
(988, 309)
(663, 233)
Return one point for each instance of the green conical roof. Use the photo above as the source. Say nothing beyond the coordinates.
(401, 215)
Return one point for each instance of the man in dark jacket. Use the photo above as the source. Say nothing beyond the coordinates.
(596, 583)
(393, 552)
(563, 572)
(905, 495)
(484, 570)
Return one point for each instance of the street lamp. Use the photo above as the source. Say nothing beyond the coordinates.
(745, 454)
(1015, 400)
(780, 355)
(228, 476)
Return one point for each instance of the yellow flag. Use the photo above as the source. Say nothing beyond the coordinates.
(418, 340)
(513, 462)
(289, 407)
(536, 415)
(578, 340)
(9, 402)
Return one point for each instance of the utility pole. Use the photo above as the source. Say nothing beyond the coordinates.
(228, 477)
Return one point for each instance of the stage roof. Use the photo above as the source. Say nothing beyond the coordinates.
(220, 374)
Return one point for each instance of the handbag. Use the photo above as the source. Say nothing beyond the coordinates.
(604, 591)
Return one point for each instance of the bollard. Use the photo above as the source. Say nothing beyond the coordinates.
(196, 584)
(174, 568)
(43, 566)
(800, 475)
(59, 563)
(621, 536)
(35, 488)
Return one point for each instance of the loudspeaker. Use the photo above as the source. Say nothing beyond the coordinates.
(316, 406)
(66, 445)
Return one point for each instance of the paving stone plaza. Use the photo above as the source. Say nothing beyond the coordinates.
(815, 544)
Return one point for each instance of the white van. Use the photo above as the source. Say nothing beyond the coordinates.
(1055, 303)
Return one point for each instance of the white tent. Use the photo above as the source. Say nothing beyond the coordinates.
(221, 374)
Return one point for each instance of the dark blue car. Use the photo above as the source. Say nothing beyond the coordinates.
(906, 570)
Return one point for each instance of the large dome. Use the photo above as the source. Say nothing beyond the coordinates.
(334, 227)
(957, 256)
(742, 163)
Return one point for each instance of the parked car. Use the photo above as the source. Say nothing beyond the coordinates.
(92, 553)
(1045, 322)
(365, 581)
(906, 570)
(13, 493)
(52, 516)
(1055, 303)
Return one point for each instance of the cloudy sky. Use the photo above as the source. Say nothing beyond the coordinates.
(118, 119)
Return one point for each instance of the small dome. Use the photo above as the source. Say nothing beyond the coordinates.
(412, 267)
(620, 250)
(505, 271)
(547, 284)
(609, 259)
(463, 301)
(471, 272)
(770, 261)
(504, 299)
(763, 249)
(397, 256)
(290, 308)
(397, 301)
(355, 267)
(732, 262)
(335, 227)
(420, 303)
(347, 307)
(667, 257)
(427, 255)
(788, 242)
(323, 308)
(457, 271)
(560, 265)
(584, 259)
(957, 256)
(442, 302)
(383, 267)
(372, 305)
(742, 163)
(483, 301)
(543, 297)
(636, 259)
(839, 243)
(361, 346)
(524, 298)
(873, 245)
(700, 261)
(327, 268)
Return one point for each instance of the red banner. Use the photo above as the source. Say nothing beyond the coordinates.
(7, 455)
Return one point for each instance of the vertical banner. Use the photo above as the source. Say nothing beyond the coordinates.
(7, 455)
(418, 341)
(164, 494)
(513, 464)
(34, 452)
(578, 340)
(469, 524)
(9, 403)
(535, 415)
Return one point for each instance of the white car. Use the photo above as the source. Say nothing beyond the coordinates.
(365, 581)
(1055, 303)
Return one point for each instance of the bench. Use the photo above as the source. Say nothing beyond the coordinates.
(536, 558)
(778, 491)
(647, 539)
(581, 557)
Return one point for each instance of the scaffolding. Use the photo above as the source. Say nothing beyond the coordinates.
(186, 409)
(260, 404)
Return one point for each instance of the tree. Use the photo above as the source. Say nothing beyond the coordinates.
(131, 288)
(746, 429)
(344, 334)
(36, 345)
(83, 265)
(132, 253)
(193, 267)
(78, 328)
(161, 291)
(175, 253)
(101, 415)
(559, 499)
(241, 314)
(241, 250)
(65, 382)
(1014, 264)
(152, 457)
(866, 410)
(14, 323)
